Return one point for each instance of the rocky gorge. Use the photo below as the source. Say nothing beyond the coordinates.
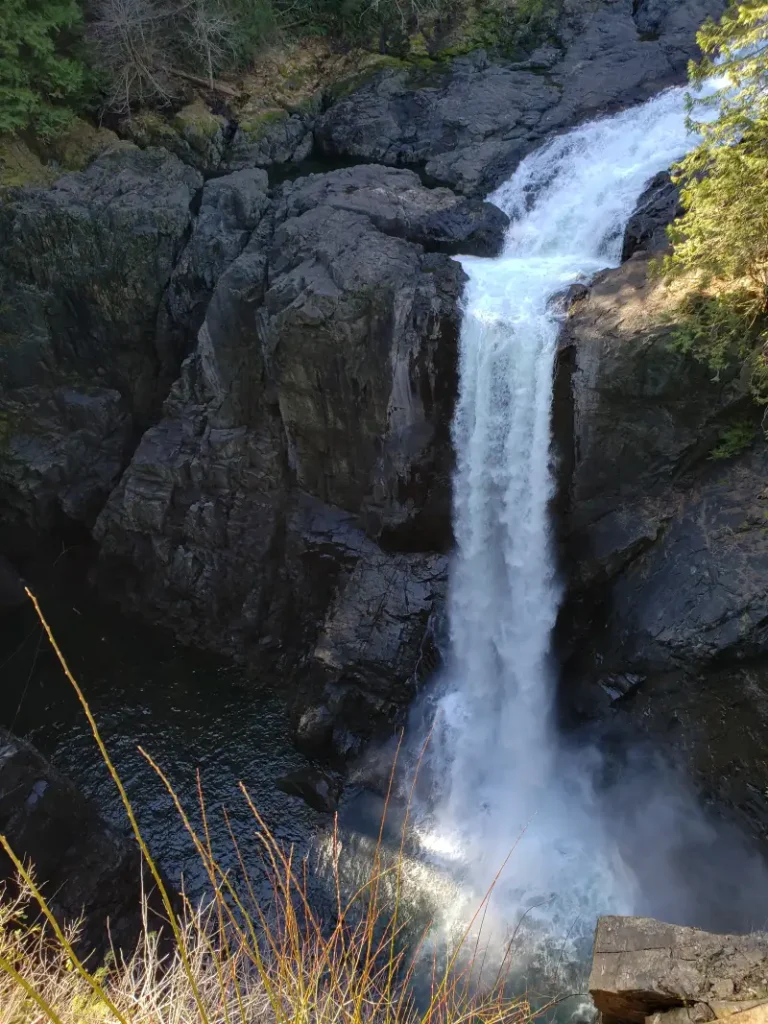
(241, 391)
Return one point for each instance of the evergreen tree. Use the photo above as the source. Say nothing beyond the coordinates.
(724, 230)
(721, 241)
(37, 77)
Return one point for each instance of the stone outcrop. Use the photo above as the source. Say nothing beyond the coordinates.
(665, 547)
(286, 140)
(647, 971)
(657, 207)
(230, 209)
(325, 369)
(83, 269)
(83, 866)
(470, 125)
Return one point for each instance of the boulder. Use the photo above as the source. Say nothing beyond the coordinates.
(397, 204)
(278, 138)
(201, 136)
(657, 207)
(194, 134)
(83, 866)
(316, 788)
(642, 967)
(467, 127)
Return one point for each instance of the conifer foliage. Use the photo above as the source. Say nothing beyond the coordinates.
(721, 240)
(724, 231)
(39, 77)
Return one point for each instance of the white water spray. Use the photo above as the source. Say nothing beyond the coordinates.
(503, 781)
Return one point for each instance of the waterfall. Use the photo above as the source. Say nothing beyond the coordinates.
(502, 780)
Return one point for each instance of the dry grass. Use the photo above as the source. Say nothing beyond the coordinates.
(234, 961)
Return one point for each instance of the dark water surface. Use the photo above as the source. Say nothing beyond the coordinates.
(189, 710)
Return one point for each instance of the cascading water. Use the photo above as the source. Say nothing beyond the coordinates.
(500, 803)
(501, 777)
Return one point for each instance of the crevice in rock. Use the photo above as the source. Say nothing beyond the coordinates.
(316, 163)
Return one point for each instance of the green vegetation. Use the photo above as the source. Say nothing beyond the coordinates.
(234, 960)
(735, 439)
(63, 57)
(724, 330)
(40, 77)
(257, 126)
(721, 240)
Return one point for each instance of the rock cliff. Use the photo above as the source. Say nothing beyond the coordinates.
(664, 545)
(244, 389)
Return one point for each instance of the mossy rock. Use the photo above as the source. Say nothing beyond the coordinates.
(418, 46)
(197, 125)
(148, 128)
(377, 63)
(36, 163)
(503, 28)
(80, 145)
(256, 126)
(20, 165)
(194, 134)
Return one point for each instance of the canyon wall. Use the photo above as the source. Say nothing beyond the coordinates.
(243, 390)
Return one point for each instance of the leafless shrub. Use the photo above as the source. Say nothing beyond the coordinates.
(210, 35)
(133, 43)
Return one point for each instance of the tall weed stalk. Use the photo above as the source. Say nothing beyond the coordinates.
(232, 959)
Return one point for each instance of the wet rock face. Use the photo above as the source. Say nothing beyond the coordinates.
(665, 547)
(83, 866)
(470, 127)
(647, 971)
(657, 207)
